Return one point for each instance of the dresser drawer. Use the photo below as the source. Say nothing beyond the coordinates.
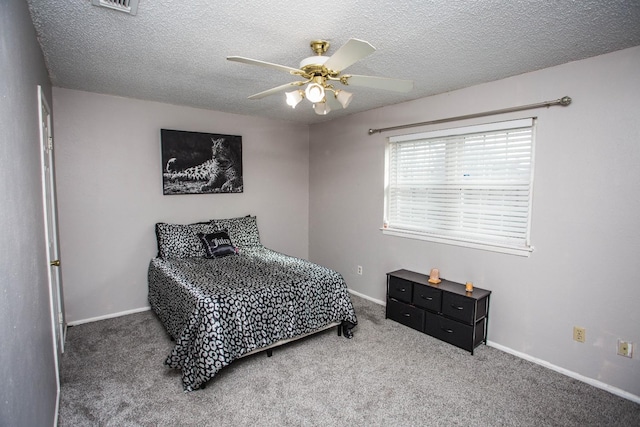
(458, 307)
(448, 330)
(427, 297)
(400, 289)
(406, 314)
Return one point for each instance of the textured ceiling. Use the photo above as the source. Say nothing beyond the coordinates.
(175, 51)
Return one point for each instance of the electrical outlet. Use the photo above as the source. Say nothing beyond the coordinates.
(579, 334)
(625, 348)
(360, 270)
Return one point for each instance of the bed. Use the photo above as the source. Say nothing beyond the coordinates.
(222, 295)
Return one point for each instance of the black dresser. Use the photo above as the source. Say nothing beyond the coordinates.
(444, 310)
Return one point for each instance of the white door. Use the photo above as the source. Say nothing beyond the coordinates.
(51, 225)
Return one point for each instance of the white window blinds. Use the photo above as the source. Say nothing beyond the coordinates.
(469, 186)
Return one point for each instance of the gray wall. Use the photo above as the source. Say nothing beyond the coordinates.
(326, 183)
(109, 177)
(585, 229)
(28, 388)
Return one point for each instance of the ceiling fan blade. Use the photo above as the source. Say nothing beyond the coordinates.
(350, 53)
(384, 83)
(275, 90)
(265, 64)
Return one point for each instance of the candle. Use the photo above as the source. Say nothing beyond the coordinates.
(434, 276)
(468, 287)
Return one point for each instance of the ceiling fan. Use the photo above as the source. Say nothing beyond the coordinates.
(320, 72)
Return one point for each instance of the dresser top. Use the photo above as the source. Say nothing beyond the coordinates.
(445, 285)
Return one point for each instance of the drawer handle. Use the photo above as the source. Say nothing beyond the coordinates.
(406, 314)
(402, 290)
(457, 307)
(427, 298)
(449, 331)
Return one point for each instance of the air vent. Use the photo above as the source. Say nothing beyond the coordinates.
(126, 6)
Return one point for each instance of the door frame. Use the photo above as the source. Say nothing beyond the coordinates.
(54, 277)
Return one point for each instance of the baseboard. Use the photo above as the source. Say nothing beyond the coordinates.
(109, 316)
(367, 297)
(574, 375)
(57, 411)
(139, 310)
(571, 374)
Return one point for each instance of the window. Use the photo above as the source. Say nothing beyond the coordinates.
(469, 186)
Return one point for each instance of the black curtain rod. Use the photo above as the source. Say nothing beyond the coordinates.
(564, 101)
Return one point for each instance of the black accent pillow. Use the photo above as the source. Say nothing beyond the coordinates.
(217, 245)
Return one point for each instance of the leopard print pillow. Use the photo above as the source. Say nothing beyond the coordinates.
(243, 231)
(181, 240)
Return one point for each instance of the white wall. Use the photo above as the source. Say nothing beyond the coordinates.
(109, 180)
(585, 268)
(28, 388)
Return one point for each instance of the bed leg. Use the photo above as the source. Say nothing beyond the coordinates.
(347, 329)
(339, 330)
(269, 353)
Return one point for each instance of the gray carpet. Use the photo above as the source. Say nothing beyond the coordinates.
(112, 374)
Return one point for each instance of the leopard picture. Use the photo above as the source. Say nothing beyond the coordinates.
(199, 163)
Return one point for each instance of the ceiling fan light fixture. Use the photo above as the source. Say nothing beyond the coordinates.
(294, 97)
(344, 97)
(314, 92)
(319, 73)
(321, 108)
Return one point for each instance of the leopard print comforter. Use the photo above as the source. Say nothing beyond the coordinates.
(219, 309)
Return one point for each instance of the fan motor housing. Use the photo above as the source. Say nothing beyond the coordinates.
(314, 64)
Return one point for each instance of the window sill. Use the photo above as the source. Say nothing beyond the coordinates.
(505, 249)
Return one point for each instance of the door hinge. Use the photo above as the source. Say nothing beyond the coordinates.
(50, 141)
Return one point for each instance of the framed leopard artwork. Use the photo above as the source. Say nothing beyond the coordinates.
(200, 163)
